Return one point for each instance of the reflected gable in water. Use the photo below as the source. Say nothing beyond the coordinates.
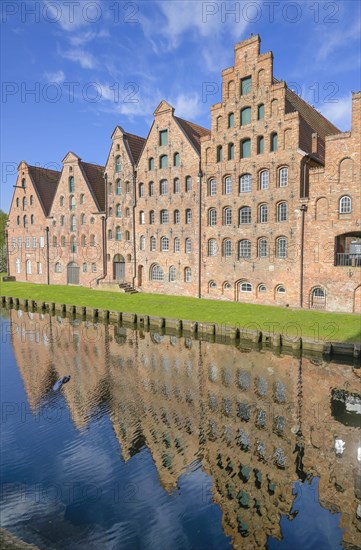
(253, 421)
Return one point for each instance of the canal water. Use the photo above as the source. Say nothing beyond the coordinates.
(164, 442)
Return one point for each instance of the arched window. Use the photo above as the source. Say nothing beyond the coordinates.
(71, 184)
(318, 298)
(345, 205)
(281, 247)
(282, 211)
(212, 285)
(92, 240)
(177, 244)
(188, 216)
(28, 267)
(188, 245)
(188, 182)
(176, 185)
(274, 142)
(245, 287)
(164, 187)
(177, 217)
(263, 248)
(164, 244)
(156, 273)
(164, 216)
(25, 202)
(245, 116)
(81, 199)
(246, 85)
(262, 288)
(152, 217)
(72, 202)
(18, 220)
(73, 244)
(244, 248)
(227, 216)
(110, 234)
(31, 200)
(118, 164)
(62, 241)
(176, 159)
(85, 267)
(212, 187)
(260, 112)
(212, 247)
(142, 243)
(245, 215)
(58, 267)
(118, 187)
(17, 266)
(188, 275)
(228, 185)
(163, 161)
(141, 217)
(280, 289)
(264, 179)
(82, 219)
(219, 122)
(141, 190)
(151, 188)
(245, 183)
(23, 183)
(212, 216)
(230, 151)
(32, 219)
(72, 223)
(245, 148)
(127, 212)
(260, 145)
(227, 286)
(152, 244)
(227, 248)
(17, 202)
(219, 153)
(230, 120)
(25, 220)
(83, 238)
(118, 233)
(110, 211)
(118, 211)
(151, 163)
(263, 213)
(172, 274)
(283, 177)
(127, 236)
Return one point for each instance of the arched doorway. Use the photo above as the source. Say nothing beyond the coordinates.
(357, 300)
(318, 298)
(72, 274)
(118, 268)
(140, 275)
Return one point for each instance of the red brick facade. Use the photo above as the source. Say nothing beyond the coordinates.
(263, 208)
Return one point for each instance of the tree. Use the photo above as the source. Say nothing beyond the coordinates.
(3, 220)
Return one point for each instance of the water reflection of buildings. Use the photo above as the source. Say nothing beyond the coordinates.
(256, 420)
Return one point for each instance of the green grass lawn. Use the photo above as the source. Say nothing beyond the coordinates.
(337, 327)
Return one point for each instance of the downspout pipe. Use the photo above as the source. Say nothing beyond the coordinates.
(200, 176)
(47, 255)
(303, 211)
(7, 252)
(104, 233)
(134, 231)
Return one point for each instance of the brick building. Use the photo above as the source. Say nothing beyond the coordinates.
(264, 207)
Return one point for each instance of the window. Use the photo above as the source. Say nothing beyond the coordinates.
(164, 187)
(25, 203)
(141, 189)
(244, 248)
(260, 145)
(152, 244)
(110, 235)
(58, 267)
(245, 183)
(228, 185)
(163, 137)
(262, 288)
(212, 284)
(25, 221)
(118, 233)
(345, 205)
(177, 244)
(23, 183)
(110, 188)
(219, 153)
(212, 247)
(188, 186)
(94, 268)
(151, 188)
(73, 245)
(110, 211)
(118, 187)
(318, 298)
(246, 148)
(263, 213)
(127, 212)
(17, 202)
(246, 85)
(92, 240)
(212, 187)
(263, 248)
(141, 217)
(152, 217)
(283, 177)
(32, 219)
(245, 116)
(142, 243)
(18, 220)
(72, 223)
(245, 215)
(34, 242)
(72, 202)
(62, 220)
(172, 274)
(85, 267)
(260, 112)
(83, 238)
(227, 216)
(227, 286)
(164, 217)
(245, 287)
(264, 179)
(163, 161)
(17, 266)
(81, 199)
(164, 244)
(188, 246)
(151, 163)
(212, 216)
(188, 216)
(127, 187)
(176, 159)
(118, 164)
(280, 289)
(127, 236)
(230, 120)
(274, 142)
(176, 216)
(281, 247)
(227, 248)
(27, 242)
(188, 275)
(71, 184)
(176, 185)
(282, 212)
(156, 273)
(41, 242)
(118, 211)
(230, 151)
(13, 243)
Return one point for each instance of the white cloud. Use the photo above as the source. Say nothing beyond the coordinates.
(337, 40)
(85, 59)
(88, 36)
(58, 77)
(187, 105)
(339, 113)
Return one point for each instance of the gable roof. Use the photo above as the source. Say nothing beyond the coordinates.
(94, 175)
(193, 132)
(45, 182)
(314, 119)
(136, 145)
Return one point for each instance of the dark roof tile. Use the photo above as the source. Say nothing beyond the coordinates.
(193, 132)
(45, 182)
(95, 177)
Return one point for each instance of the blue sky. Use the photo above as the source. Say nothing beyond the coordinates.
(93, 64)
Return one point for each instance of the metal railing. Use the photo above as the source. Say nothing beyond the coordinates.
(348, 260)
